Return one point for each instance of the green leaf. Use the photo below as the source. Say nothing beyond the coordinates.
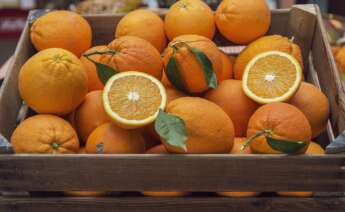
(173, 74)
(285, 146)
(104, 72)
(252, 138)
(172, 129)
(206, 66)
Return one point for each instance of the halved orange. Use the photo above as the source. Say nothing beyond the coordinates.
(272, 76)
(133, 99)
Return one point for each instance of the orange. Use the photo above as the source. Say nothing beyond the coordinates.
(189, 17)
(231, 98)
(189, 72)
(45, 134)
(243, 21)
(133, 99)
(151, 137)
(144, 24)
(315, 106)
(272, 76)
(263, 44)
(133, 54)
(61, 29)
(236, 149)
(313, 148)
(209, 128)
(53, 81)
(227, 68)
(94, 83)
(110, 139)
(284, 121)
(160, 149)
(90, 114)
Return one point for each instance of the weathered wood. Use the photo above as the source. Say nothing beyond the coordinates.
(191, 204)
(178, 172)
(10, 101)
(325, 67)
(301, 26)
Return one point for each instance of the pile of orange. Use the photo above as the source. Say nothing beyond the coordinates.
(122, 97)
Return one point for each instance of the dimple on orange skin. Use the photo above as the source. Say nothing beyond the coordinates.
(134, 54)
(189, 17)
(110, 139)
(145, 24)
(264, 44)
(284, 120)
(61, 29)
(243, 21)
(209, 128)
(53, 81)
(236, 149)
(188, 66)
(45, 134)
(313, 149)
(94, 83)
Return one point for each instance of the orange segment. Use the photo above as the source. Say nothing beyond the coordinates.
(133, 99)
(271, 77)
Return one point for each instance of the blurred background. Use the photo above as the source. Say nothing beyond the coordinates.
(13, 15)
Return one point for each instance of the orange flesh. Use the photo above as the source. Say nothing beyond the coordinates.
(134, 97)
(279, 75)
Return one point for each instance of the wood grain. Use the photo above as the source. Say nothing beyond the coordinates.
(190, 204)
(178, 172)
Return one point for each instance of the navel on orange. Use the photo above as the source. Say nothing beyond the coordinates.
(132, 99)
(272, 76)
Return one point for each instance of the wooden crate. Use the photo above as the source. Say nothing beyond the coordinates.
(197, 173)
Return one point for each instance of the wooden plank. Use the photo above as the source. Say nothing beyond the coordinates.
(301, 26)
(179, 172)
(10, 101)
(325, 67)
(190, 204)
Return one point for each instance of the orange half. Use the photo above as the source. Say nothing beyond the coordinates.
(272, 76)
(133, 99)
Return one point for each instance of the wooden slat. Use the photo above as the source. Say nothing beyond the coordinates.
(325, 67)
(178, 172)
(148, 204)
(10, 101)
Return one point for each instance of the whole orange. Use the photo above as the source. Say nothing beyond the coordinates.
(94, 83)
(209, 128)
(45, 134)
(189, 17)
(286, 122)
(61, 29)
(110, 139)
(264, 44)
(231, 98)
(134, 54)
(189, 68)
(313, 149)
(53, 81)
(236, 149)
(340, 59)
(144, 24)
(227, 68)
(160, 149)
(243, 21)
(315, 106)
(90, 114)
